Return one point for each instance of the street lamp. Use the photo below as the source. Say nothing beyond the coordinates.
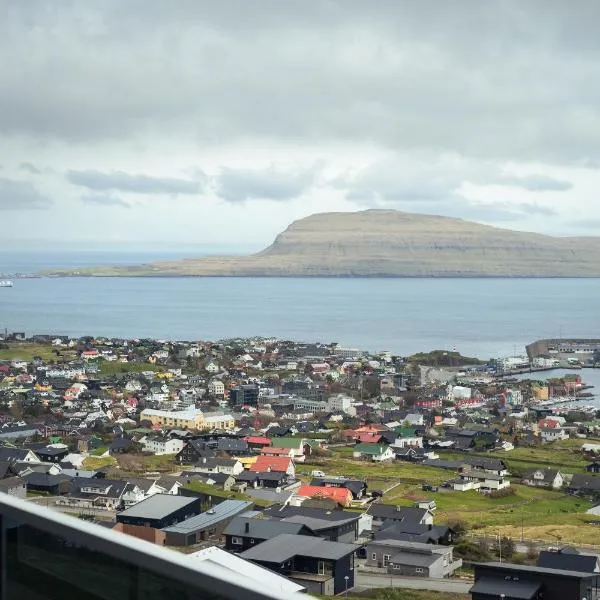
(346, 581)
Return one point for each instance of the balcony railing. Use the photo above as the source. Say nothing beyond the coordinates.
(46, 555)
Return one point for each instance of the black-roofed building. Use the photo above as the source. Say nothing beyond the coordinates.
(520, 582)
(52, 453)
(194, 451)
(570, 560)
(160, 510)
(91, 492)
(54, 485)
(245, 532)
(416, 532)
(323, 567)
(385, 515)
(207, 525)
(233, 446)
(332, 525)
(584, 485)
(13, 486)
(13, 455)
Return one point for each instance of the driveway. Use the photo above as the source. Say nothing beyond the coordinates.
(367, 581)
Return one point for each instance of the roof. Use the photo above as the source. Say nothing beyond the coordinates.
(158, 506)
(588, 482)
(253, 439)
(398, 513)
(285, 546)
(275, 463)
(261, 528)
(220, 512)
(341, 495)
(258, 576)
(496, 587)
(567, 561)
(509, 568)
(283, 442)
(369, 448)
(414, 559)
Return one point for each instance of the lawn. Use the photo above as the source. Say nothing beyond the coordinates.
(26, 351)
(92, 463)
(406, 594)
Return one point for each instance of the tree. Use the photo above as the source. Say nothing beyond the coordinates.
(505, 547)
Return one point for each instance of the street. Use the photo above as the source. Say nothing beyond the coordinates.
(365, 581)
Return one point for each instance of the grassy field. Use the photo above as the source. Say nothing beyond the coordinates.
(564, 456)
(26, 351)
(97, 462)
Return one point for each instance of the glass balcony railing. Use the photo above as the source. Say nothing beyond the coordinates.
(46, 555)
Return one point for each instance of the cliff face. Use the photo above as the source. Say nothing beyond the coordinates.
(395, 244)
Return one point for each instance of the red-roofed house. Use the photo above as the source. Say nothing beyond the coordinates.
(342, 496)
(268, 451)
(279, 464)
(368, 438)
(255, 441)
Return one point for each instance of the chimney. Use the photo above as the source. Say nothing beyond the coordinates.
(430, 527)
(247, 527)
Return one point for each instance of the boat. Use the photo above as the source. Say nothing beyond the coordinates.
(6, 283)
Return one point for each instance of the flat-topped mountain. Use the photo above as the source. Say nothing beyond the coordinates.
(389, 243)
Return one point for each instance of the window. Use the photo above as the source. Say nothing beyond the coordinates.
(236, 541)
(419, 570)
(374, 556)
(386, 560)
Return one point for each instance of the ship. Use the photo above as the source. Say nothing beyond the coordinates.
(6, 283)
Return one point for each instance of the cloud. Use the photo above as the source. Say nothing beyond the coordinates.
(104, 200)
(272, 183)
(535, 183)
(30, 168)
(136, 184)
(21, 195)
(478, 79)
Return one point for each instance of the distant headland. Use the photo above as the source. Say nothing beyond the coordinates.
(387, 243)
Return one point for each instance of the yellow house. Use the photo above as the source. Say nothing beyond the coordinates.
(178, 419)
(247, 461)
(218, 422)
(541, 392)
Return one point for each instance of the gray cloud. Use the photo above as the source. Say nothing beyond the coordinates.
(29, 168)
(136, 184)
(104, 200)
(512, 80)
(239, 185)
(21, 195)
(535, 183)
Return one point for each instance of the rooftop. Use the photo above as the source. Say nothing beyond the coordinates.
(225, 510)
(158, 506)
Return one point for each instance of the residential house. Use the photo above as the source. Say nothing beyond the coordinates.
(53, 485)
(569, 559)
(341, 496)
(357, 488)
(584, 485)
(387, 514)
(210, 524)
(553, 434)
(412, 559)
(160, 444)
(484, 481)
(267, 463)
(416, 532)
(373, 452)
(216, 388)
(13, 486)
(17, 454)
(106, 494)
(543, 478)
(299, 447)
(593, 467)
(511, 582)
(323, 567)
(244, 532)
(233, 446)
(160, 510)
(256, 442)
(334, 525)
(194, 451)
(230, 466)
(52, 453)
(407, 437)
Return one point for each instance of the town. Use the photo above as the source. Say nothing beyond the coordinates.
(338, 469)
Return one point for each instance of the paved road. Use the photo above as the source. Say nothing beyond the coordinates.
(108, 515)
(365, 581)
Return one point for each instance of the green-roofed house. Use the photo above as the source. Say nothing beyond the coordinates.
(406, 437)
(374, 452)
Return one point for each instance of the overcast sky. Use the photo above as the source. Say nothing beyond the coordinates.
(216, 124)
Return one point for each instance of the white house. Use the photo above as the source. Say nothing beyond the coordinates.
(411, 440)
(211, 367)
(162, 445)
(216, 388)
(552, 434)
(488, 482)
(339, 403)
(543, 478)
